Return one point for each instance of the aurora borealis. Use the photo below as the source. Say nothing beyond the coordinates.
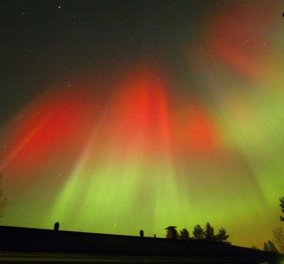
(141, 115)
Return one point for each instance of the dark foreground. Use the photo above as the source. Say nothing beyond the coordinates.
(40, 245)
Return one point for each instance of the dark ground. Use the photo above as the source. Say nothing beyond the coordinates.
(29, 245)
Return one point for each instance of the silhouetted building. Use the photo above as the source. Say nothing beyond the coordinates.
(18, 244)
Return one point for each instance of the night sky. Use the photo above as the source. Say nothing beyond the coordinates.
(118, 116)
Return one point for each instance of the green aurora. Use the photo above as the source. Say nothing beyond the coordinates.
(191, 135)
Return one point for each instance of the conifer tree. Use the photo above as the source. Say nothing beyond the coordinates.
(184, 234)
(209, 232)
(198, 232)
(222, 235)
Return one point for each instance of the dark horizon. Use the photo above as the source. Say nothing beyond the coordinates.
(18, 244)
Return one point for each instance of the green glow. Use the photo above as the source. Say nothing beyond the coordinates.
(200, 143)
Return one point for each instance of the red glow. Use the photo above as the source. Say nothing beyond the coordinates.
(200, 133)
(239, 43)
(197, 131)
(49, 127)
(138, 121)
(140, 112)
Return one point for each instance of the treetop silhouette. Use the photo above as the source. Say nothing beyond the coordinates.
(207, 233)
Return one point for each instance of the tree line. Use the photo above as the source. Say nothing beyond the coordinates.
(204, 233)
(278, 234)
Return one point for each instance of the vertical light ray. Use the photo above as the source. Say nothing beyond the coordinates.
(241, 60)
(142, 153)
(133, 175)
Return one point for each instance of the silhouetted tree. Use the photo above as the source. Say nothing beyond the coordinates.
(282, 207)
(184, 234)
(265, 246)
(269, 246)
(206, 233)
(222, 235)
(198, 232)
(209, 232)
(279, 238)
